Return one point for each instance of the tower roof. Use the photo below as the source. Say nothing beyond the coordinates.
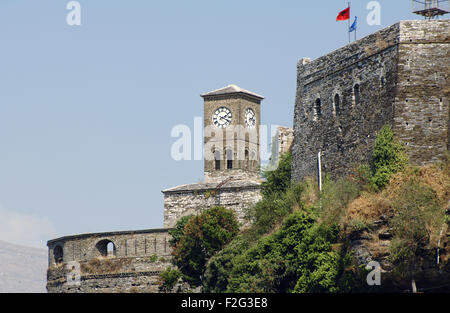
(231, 89)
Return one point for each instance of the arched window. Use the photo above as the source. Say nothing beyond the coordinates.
(356, 94)
(217, 160)
(110, 249)
(58, 254)
(229, 159)
(317, 109)
(106, 248)
(337, 104)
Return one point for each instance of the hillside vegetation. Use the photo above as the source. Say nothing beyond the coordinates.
(301, 240)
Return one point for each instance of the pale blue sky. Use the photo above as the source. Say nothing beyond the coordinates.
(86, 111)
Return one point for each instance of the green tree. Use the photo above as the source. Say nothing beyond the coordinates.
(278, 181)
(203, 235)
(220, 265)
(297, 258)
(178, 231)
(168, 279)
(388, 157)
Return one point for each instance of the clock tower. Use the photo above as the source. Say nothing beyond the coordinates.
(232, 118)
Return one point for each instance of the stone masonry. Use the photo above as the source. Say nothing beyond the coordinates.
(396, 76)
(126, 261)
(192, 199)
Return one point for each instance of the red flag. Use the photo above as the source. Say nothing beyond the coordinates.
(344, 15)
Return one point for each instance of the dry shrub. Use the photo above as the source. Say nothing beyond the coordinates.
(369, 207)
(432, 175)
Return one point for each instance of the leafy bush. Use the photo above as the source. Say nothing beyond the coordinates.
(335, 197)
(299, 257)
(280, 198)
(178, 231)
(278, 181)
(220, 266)
(270, 211)
(203, 235)
(388, 157)
(168, 279)
(270, 265)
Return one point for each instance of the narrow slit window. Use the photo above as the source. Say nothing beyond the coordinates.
(356, 93)
(337, 104)
(317, 109)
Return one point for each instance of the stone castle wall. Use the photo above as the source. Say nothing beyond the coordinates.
(397, 76)
(421, 117)
(133, 265)
(192, 199)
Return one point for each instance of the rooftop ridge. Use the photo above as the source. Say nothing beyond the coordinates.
(231, 89)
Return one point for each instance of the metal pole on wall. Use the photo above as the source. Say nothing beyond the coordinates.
(319, 161)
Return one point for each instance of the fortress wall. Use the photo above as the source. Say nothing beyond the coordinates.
(376, 64)
(422, 102)
(108, 275)
(135, 264)
(346, 131)
(189, 202)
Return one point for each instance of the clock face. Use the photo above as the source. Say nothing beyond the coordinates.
(222, 117)
(250, 118)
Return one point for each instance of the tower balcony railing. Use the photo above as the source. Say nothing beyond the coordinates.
(431, 9)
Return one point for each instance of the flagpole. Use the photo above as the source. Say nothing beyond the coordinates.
(349, 13)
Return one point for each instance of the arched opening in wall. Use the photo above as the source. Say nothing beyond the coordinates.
(110, 249)
(58, 254)
(217, 160)
(356, 94)
(106, 248)
(337, 104)
(229, 159)
(317, 109)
